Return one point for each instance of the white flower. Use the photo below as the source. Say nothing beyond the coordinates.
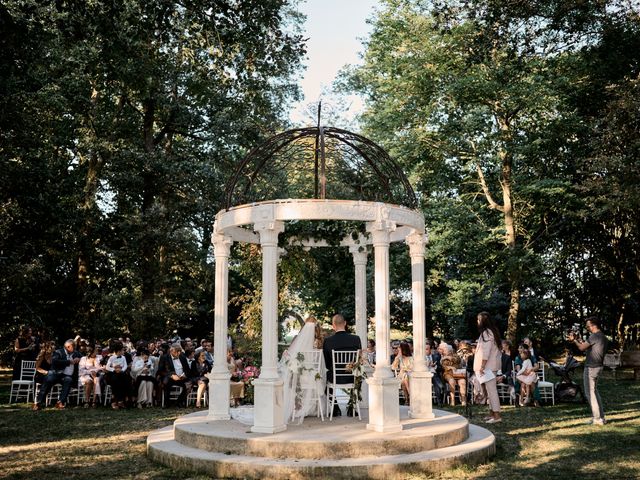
(294, 365)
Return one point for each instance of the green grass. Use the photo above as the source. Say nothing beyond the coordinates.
(532, 443)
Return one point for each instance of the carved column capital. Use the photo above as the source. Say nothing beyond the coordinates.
(269, 231)
(417, 242)
(359, 253)
(381, 231)
(221, 245)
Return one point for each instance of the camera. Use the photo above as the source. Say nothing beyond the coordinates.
(574, 331)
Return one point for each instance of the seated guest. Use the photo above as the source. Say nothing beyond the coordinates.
(450, 363)
(505, 374)
(64, 370)
(89, 370)
(237, 384)
(199, 370)
(190, 355)
(464, 352)
(432, 357)
(143, 372)
(403, 363)
(117, 376)
(43, 361)
(370, 353)
(173, 370)
(208, 352)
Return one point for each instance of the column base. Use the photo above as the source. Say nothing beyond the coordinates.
(384, 405)
(269, 410)
(219, 393)
(421, 399)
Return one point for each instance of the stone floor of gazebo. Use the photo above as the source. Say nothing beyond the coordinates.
(342, 448)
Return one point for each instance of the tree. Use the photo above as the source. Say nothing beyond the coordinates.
(141, 110)
(472, 96)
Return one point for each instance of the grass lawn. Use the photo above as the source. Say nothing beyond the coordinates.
(533, 443)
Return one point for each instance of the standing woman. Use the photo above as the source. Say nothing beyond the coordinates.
(488, 358)
(25, 348)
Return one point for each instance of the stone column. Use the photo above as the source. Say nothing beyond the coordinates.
(360, 263)
(420, 382)
(219, 387)
(384, 403)
(268, 388)
(359, 253)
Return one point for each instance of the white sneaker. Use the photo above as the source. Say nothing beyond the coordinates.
(599, 421)
(494, 420)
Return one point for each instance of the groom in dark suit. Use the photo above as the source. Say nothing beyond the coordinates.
(341, 340)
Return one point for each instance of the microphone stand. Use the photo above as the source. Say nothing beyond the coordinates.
(468, 408)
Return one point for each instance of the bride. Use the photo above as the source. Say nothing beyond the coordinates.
(302, 384)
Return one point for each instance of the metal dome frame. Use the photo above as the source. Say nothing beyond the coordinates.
(352, 153)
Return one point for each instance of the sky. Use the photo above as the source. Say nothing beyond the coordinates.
(334, 29)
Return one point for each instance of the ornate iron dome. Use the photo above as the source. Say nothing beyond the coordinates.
(319, 162)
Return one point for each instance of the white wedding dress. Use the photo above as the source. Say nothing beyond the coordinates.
(303, 385)
(303, 382)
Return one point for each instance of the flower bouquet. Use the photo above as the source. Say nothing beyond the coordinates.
(355, 394)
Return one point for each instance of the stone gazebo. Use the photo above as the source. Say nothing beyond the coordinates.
(328, 150)
(321, 174)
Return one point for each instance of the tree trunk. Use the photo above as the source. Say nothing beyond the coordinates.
(149, 261)
(510, 241)
(87, 206)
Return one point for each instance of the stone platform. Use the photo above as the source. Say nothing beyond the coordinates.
(343, 448)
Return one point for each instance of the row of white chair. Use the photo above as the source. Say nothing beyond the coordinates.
(26, 388)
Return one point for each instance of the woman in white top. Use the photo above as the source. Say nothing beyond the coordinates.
(118, 377)
(89, 371)
(487, 361)
(143, 372)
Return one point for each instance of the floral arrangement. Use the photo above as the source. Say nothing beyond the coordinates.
(248, 375)
(355, 394)
(296, 366)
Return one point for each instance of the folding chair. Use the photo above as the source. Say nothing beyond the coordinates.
(313, 365)
(193, 395)
(24, 387)
(545, 388)
(174, 393)
(341, 360)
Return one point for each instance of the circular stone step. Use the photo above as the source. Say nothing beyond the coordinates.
(344, 437)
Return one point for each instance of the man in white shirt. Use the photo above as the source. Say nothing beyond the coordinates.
(173, 369)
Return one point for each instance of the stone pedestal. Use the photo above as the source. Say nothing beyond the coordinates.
(268, 409)
(421, 405)
(219, 393)
(384, 413)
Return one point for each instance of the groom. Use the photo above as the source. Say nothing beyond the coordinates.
(341, 340)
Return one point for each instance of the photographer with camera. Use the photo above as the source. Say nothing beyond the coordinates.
(595, 347)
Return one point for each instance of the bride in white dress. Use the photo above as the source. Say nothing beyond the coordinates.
(303, 383)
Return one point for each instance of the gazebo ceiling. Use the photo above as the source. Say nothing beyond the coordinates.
(319, 163)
